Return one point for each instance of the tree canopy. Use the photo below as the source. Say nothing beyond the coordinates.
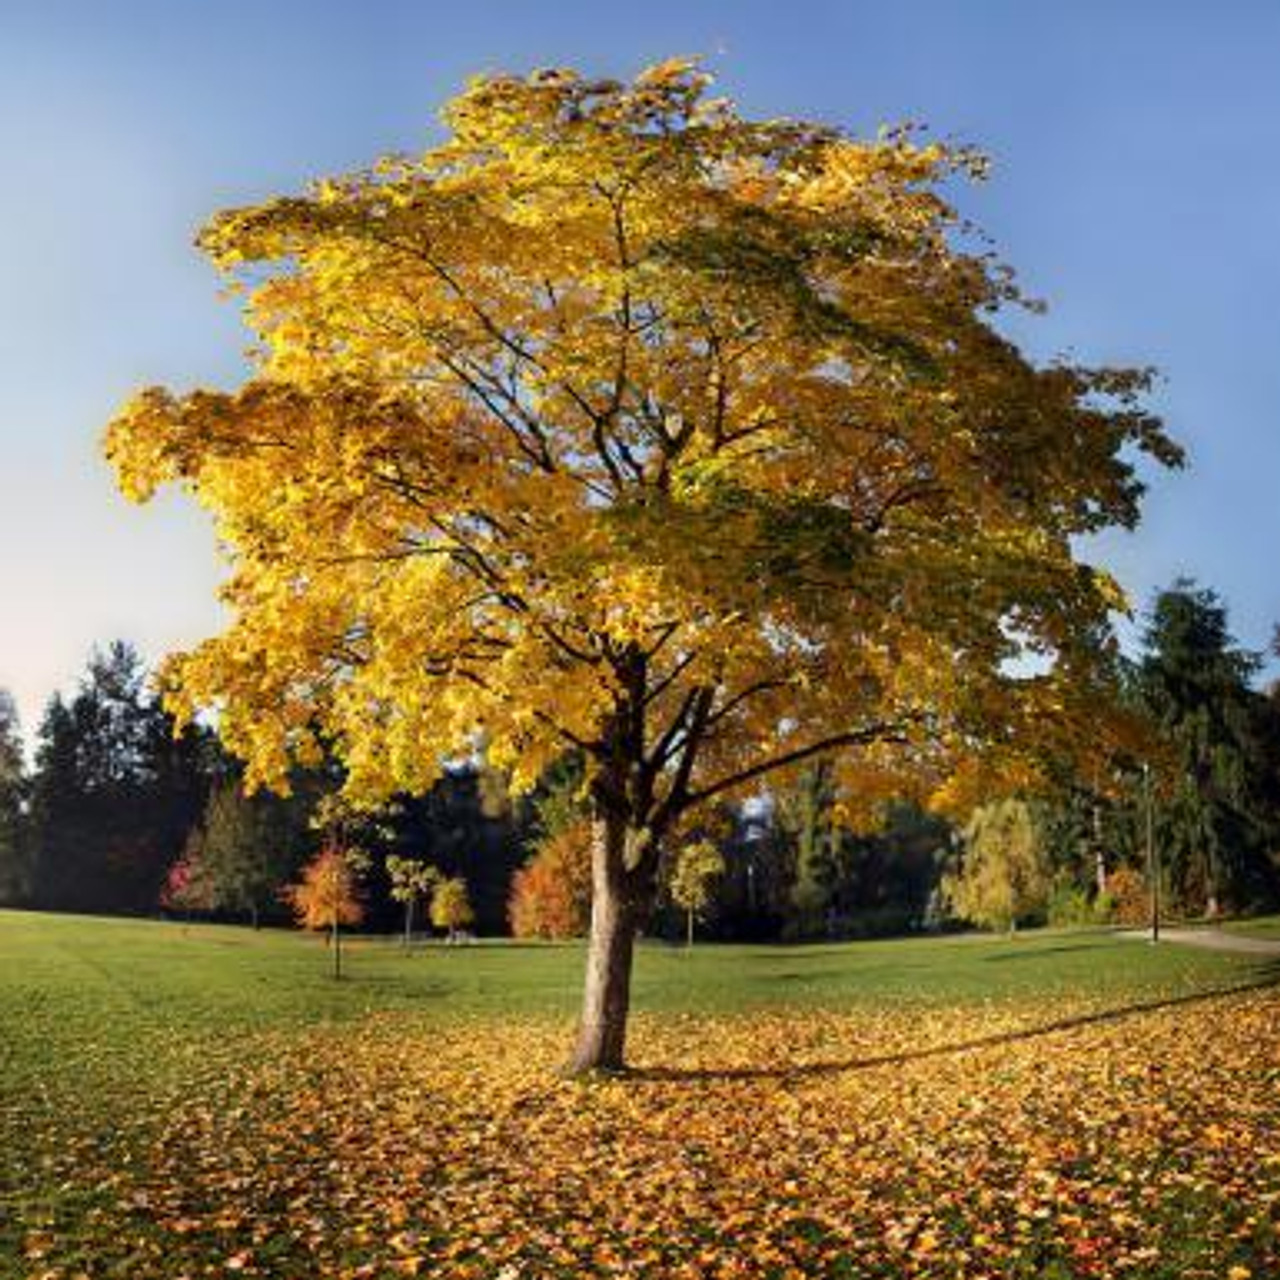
(622, 424)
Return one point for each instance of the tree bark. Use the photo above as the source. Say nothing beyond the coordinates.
(617, 909)
(1099, 854)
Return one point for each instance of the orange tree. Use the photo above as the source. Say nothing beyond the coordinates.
(326, 897)
(551, 894)
(624, 425)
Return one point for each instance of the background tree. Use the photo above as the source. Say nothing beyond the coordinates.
(248, 846)
(15, 875)
(114, 792)
(697, 865)
(807, 811)
(466, 824)
(327, 896)
(411, 881)
(1213, 823)
(622, 424)
(754, 896)
(188, 885)
(551, 893)
(451, 906)
(1004, 874)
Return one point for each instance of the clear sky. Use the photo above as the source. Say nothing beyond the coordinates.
(1136, 188)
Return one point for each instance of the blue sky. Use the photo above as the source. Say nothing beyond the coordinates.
(1135, 188)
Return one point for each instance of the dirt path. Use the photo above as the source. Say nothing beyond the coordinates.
(1214, 940)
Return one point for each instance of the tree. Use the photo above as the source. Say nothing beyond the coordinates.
(327, 898)
(410, 880)
(114, 792)
(247, 847)
(451, 907)
(14, 872)
(1004, 874)
(189, 886)
(697, 864)
(807, 811)
(551, 893)
(468, 825)
(1213, 825)
(621, 424)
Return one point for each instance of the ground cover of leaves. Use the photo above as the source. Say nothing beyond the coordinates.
(1062, 1139)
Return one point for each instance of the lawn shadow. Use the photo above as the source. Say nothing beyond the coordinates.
(1269, 976)
(1068, 948)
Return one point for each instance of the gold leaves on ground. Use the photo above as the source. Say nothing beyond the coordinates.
(954, 1143)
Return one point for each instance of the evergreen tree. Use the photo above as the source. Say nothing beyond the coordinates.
(14, 872)
(1212, 824)
(249, 846)
(114, 793)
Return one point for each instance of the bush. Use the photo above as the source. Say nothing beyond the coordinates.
(1070, 905)
(1130, 899)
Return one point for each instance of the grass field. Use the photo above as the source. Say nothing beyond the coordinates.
(207, 1102)
(1258, 927)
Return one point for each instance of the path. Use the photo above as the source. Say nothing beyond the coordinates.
(1213, 939)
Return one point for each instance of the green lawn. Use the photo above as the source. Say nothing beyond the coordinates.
(1257, 927)
(120, 1036)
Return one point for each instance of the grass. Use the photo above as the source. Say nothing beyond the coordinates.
(1256, 927)
(126, 1042)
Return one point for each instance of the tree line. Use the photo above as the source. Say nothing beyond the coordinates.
(119, 814)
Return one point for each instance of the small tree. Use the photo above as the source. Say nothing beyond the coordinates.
(410, 880)
(450, 906)
(1004, 873)
(551, 893)
(696, 866)
(188, 886)
(326, 898)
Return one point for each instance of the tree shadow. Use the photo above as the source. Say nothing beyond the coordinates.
(1269, 976)
(1066, 948)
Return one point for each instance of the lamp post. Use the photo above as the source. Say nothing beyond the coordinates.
(1153, 871)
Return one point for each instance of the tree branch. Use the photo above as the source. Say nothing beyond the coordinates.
(855, 738)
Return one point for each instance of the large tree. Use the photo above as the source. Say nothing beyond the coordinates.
(621, 424)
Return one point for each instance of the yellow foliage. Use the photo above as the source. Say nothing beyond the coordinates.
(450, 905)
(621, 423)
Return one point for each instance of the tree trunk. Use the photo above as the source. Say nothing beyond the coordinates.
(616, 914)
(688, 941)
(1099, 854)
(253, 916)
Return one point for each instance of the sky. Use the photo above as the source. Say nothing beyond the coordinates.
(1135, 188)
